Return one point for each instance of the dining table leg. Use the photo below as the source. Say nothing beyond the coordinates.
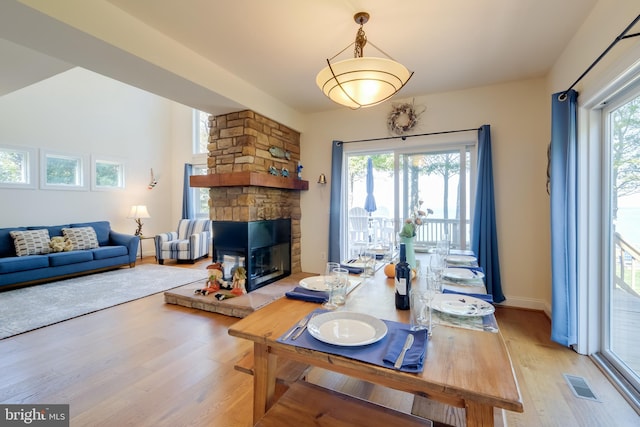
(479, 415)
(264, 380)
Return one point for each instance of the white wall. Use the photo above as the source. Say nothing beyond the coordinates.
(82, 112)
(519, 117)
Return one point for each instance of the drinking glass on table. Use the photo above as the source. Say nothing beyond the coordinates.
(328, 283)
(437, 266)
(442, 247)
(338, 292)
(368, 257)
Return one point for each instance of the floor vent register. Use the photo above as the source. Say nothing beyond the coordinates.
(580, 387)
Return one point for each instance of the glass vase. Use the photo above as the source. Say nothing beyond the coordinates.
(410, 251)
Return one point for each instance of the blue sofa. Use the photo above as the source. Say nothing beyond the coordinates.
(115, 250)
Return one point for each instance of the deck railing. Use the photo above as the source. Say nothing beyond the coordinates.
(627, 265)
(435, 229)
(429, 233)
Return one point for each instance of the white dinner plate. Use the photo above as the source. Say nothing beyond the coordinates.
(423, 249)
(347, 328)
(355, 263)
(462, 273)
(461, 305)
(461, 259)
(316, 283)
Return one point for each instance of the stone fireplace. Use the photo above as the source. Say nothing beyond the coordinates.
(249, 159)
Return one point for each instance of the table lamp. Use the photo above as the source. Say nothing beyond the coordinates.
(138, 212)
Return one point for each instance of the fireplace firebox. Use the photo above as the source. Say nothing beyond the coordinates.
(263, 248)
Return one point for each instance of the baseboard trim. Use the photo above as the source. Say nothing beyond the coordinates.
(528, 303)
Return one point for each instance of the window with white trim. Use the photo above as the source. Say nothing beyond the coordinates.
(108, 174)
(17, 167)
(62, 171)
(200, 132)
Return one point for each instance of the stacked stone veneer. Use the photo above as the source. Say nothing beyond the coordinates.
(240, 142)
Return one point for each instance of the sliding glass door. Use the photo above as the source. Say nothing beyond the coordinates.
(437, 179)
(621, 302)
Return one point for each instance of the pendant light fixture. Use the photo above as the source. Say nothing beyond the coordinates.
(362, 81)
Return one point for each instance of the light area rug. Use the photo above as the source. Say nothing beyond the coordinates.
(33, 307)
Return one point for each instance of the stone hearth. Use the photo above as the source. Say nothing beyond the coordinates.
(240, 306)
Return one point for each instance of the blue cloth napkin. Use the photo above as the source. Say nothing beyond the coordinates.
(414, 358)
(484, 297)
(352, 270)
(308, 295)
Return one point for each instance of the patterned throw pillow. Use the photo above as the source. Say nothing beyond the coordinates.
(81, 237)
(31, 242)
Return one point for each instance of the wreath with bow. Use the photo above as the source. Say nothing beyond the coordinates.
(402, 118)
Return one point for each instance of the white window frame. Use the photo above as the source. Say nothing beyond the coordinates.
(31, 169)
(460, 141)
(195, 148)
(196, 191)
(592, 270)
(82, 171)
(97, 159)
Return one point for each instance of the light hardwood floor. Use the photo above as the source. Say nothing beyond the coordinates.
(146, 363)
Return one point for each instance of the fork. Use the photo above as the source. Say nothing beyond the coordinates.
(301, 323)
(301, 330)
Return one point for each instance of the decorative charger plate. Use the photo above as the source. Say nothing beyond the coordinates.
(461, 259)
(461, 305)
(316, 283)
(462, 273)
(345, 328)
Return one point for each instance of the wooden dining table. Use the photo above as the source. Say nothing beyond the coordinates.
(464, 368)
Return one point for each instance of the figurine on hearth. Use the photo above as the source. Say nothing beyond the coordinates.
(239, 280)
(215, 280)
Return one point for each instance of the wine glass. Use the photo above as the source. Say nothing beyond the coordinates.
(433, 288)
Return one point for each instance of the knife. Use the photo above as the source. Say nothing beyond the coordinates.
(407, 345)
(303, 327)
(302, 323)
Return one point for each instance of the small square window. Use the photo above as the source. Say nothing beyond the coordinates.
(61, 171)
(17, 167)
(108, 174)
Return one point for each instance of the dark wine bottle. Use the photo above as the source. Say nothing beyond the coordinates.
(403, 280)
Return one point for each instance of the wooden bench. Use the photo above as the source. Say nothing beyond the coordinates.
(443, 414)
(306, 404)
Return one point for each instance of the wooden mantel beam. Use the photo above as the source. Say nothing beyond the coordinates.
(248, 179)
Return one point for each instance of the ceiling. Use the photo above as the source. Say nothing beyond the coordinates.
(279, 46)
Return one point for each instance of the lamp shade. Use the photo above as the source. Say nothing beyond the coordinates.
(138, 211)
(362, 82)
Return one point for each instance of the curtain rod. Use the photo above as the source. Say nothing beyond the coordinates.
(404, 137)
(623, 35)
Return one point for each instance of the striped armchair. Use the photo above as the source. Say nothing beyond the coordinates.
(190, 242)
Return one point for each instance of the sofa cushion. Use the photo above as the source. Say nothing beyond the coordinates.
(102, 229)
(15, 264)
(73, 257)
(104, 252)
(31, 242)
(54, 230)
(81, 237)
(7, 248)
